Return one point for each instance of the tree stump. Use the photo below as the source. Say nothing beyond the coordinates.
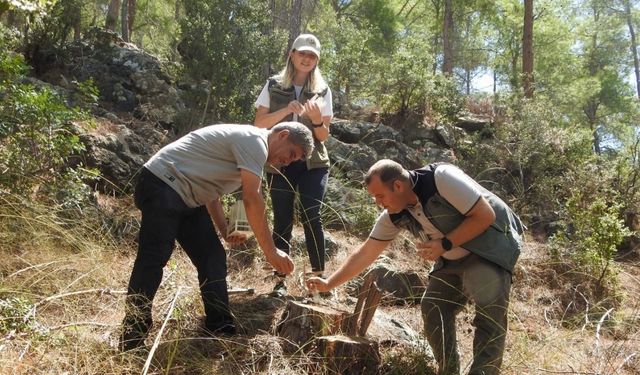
(347, 355)
(300, 323)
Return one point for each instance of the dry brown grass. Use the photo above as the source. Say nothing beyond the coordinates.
(72, 282)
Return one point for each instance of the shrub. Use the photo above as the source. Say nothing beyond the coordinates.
(405, 84)
(211, 33)
(18, 314)
(593, 230)
(36, 133)
(527, 158)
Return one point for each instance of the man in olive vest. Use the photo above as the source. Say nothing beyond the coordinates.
(473, 237)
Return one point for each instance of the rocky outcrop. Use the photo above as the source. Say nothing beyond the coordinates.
(139, 103)
(127, 78)
(399, 287)
(118, 150)
(356, 145)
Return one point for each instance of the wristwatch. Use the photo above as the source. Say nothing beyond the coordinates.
(446, 244)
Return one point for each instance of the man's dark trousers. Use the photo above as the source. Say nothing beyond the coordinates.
(166, 218)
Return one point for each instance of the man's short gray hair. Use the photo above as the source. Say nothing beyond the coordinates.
(299, 135)
(388, 171)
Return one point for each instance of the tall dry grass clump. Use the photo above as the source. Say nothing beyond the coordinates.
(58, 291)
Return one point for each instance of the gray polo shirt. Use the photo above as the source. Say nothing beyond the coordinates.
(453, 185)
(205, 164)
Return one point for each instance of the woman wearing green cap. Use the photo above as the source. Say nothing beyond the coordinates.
(299, 93)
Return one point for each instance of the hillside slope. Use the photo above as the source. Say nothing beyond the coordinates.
(63, 290)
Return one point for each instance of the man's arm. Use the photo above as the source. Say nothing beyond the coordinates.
(217, 214)
(477, 220)
(257, 216)
(353, 265)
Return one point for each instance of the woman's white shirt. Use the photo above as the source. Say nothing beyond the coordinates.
(326, 110)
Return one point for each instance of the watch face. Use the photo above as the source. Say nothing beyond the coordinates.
(446, 244)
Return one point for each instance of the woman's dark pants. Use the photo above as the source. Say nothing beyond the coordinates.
(311, 186)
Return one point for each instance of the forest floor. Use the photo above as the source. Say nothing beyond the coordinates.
(68, 291)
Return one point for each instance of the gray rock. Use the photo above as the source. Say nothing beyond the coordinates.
(399, 287)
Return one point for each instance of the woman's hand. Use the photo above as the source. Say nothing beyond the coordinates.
(295, 107)
(312, 109)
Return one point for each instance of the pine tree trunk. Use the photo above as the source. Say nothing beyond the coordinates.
(112, 15)
(294, 23)
(124, 20)
(527, 49)
(634, 50)
(131, 10)
(447, 39)
(436, 35)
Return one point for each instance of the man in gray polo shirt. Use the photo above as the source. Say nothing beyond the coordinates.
(179, 192)
(473, 237)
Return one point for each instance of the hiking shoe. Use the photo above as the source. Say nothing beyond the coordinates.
(134, 332)
(130, 340)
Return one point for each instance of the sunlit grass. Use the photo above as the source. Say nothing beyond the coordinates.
(62, 285)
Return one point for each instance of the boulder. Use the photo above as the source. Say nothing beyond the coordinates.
(399, 287)
(118, 151)
(127, 77)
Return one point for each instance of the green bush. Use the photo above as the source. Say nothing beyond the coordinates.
(406, 84)
(16, 314)
(593, 230)
(225, 44)
(527, 157)
(37, 137)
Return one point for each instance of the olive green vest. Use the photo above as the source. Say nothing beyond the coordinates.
(279, 98)
(500, 243)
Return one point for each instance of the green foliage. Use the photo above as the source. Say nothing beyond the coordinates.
(405, 83)
(379, 19)
(224, 43)
(593, 231)
(527, 156)
(626, 181)
(17, 314)
(157, 27)
(26, 6)
(53, 27)
(346, 59)
(36, 134)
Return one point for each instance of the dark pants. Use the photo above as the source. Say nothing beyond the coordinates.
(166, 218)
(311, 185)
(449, 290)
